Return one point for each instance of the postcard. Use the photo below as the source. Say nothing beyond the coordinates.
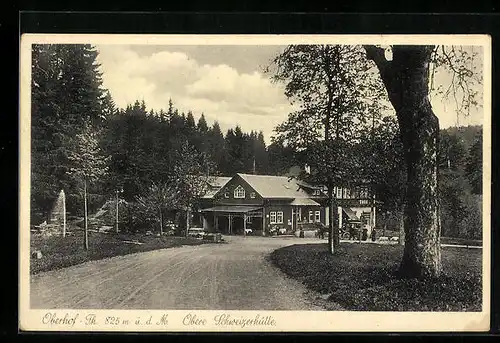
(255, 183)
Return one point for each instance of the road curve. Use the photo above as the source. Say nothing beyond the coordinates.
(232, 276)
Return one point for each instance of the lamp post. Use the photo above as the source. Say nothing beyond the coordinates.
(118, 191)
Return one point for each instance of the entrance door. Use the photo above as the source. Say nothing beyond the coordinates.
(237, 226)
(223, 223)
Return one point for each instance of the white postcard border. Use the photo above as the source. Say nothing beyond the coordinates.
(290, 321)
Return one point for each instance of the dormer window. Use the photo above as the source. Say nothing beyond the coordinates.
(239, 193)
(252, 195)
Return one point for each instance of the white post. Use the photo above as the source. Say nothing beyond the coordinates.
(64, 212)
(263, 221)
(116, 217)
(86, 233)
(340, 217)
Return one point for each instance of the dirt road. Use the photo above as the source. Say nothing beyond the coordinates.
(233, 276)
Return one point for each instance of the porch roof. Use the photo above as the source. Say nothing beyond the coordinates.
(232, 209)
(350, 214)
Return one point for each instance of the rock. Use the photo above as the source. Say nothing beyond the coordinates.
(37, 254)
(325, 296)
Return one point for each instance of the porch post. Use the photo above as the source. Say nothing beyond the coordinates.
(216, 222)
(340, 217)
(263, 220)
(244, 224)
(205, 222)
(230, 223)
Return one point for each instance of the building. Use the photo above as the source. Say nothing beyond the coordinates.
(356, 204)
(265, 203)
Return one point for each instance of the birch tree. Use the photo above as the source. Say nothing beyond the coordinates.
(334, 89)
(185, 181)
(87, 166)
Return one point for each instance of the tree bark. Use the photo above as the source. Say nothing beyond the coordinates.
(406, 79)
(401, 217)
(85, 217)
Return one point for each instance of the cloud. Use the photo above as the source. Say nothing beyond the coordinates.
(224, 83)
(220, 91)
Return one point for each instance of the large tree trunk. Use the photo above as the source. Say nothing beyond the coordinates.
(401, 224)
(406, 79)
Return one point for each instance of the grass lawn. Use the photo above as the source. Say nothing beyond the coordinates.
(59, 252)
(444, 240)
(461, 241)
(362, 277)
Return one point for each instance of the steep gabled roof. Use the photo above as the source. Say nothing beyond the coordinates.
(216, 183)
(219, 181)
(278, 187)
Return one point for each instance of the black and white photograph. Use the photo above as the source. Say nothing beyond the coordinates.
(243, 183)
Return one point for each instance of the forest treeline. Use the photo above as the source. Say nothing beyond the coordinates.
(141, 147)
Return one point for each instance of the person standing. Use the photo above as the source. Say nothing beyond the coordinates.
(373, 234)
(364, 237)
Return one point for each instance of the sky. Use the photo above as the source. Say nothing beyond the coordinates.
(227, 83)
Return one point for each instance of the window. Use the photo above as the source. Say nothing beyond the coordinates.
(316, 192)
(339, 192)
(252, 195)
(317, 216)
(272, 216)
(279, 217)
(239, 192)
(363, 193)
(310, 216)
(226, 195)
